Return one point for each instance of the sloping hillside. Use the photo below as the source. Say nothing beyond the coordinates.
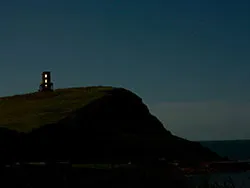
(28, 111)
(95, 124)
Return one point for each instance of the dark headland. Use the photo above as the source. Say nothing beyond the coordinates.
(91, 125)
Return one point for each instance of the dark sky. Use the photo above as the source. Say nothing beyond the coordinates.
(188, 60)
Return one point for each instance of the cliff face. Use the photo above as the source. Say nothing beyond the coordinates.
(116, 127)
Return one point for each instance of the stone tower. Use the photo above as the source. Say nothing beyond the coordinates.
(46, 84)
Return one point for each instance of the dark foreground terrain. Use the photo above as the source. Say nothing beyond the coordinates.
(79, 176)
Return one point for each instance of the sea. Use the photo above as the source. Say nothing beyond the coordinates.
(233, 149)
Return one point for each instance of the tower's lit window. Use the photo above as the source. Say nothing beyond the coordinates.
(45, 76)
(46, 85)
(46, 81)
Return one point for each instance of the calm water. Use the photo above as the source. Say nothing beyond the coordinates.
(236, 150)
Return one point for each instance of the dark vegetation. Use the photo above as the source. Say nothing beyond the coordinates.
(98, 124)
(89, 125)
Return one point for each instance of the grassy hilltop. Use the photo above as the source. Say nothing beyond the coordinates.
(28, 111)
(108, 124)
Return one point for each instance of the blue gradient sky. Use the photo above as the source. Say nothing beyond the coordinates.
(179, 56)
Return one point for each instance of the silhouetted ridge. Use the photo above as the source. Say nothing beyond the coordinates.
(116, 127)
(96, 125)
